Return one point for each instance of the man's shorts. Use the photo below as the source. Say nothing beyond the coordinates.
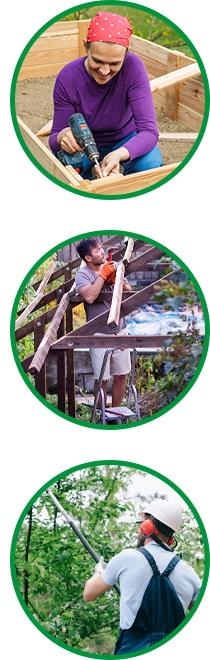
(118, 362)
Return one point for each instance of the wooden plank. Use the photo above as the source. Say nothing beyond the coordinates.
(63, 53)
(68, 27)
(175, 77)
(178, 137)
(114, 313)
(107, 341)
(45, 130)
(41, 72)
(146, 48)
(141, 260)
(133, 302)
(189, 119)
(39, 295)
(43, 155)
(119, 185)
(44, 346)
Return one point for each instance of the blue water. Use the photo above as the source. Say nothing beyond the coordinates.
(152, 320)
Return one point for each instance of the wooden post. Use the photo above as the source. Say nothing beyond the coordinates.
(40, 378)
(172, 92)
(70, 380)
(61, 377)
(82, 33)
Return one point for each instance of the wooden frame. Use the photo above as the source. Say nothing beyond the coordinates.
(176, 83)
(54, 335)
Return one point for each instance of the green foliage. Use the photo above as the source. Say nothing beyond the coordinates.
(168, 373)
(52, 565)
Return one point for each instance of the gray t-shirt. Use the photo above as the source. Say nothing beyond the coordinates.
(84, 277)
(133, 571)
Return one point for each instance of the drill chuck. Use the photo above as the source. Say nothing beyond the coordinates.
(84, 137)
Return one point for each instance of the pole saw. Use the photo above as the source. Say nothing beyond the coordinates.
(77, 532)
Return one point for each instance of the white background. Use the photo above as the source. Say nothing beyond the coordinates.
(36, 215)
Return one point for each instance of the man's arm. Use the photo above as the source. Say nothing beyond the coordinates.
(90, 292)
(94, 587)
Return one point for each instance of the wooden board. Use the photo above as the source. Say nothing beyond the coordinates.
(178, 137)
(175, 77)
(107, 341)
(114, 313)
(112, 185)
(43, 155)
(120, 185)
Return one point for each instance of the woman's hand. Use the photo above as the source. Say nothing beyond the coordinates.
(111, 162)
(67, 141)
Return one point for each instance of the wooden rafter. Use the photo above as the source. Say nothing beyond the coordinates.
(114, 313)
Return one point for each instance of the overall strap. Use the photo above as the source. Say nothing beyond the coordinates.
(174, 561)
(150, 559)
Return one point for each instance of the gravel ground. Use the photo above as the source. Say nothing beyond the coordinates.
(35, 107)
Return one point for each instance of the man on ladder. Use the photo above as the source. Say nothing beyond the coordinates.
(98, 275)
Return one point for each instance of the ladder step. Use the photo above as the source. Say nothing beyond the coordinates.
(114, 412)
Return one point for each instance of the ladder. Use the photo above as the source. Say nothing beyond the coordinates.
(118, 414)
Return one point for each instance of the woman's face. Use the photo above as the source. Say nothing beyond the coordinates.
(104, 60)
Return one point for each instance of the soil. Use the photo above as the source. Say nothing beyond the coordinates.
(34, 105)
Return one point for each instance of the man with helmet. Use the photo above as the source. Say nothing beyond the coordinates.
(156, 587)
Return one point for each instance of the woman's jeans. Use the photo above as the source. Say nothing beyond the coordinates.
(147, 162)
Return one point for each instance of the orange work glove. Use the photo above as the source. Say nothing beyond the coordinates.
(112, 277)
(107, 270)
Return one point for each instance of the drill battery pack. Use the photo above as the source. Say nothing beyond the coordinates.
(75, 160)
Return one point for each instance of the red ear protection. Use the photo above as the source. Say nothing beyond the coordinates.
(148, 527)
(172, 541)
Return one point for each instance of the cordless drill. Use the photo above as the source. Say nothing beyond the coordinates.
(86, 141)
(84, 137)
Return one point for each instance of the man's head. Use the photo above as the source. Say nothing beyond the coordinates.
(106, 44)
(160, 519)
(91, 251)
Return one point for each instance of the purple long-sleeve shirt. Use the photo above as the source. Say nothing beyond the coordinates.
(112, 111)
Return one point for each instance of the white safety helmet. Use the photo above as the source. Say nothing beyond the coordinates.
(166, 511)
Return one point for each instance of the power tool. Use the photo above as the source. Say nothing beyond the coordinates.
(85, 139)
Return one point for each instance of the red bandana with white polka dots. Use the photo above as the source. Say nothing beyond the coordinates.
(110, 27)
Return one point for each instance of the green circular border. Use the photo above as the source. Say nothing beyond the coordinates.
(138, 467)
(205, 344)
(42, 169)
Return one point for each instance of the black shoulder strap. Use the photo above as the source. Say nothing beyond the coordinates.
(150, 559)
(174, 561)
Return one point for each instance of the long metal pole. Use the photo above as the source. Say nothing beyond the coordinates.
(77, 532)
